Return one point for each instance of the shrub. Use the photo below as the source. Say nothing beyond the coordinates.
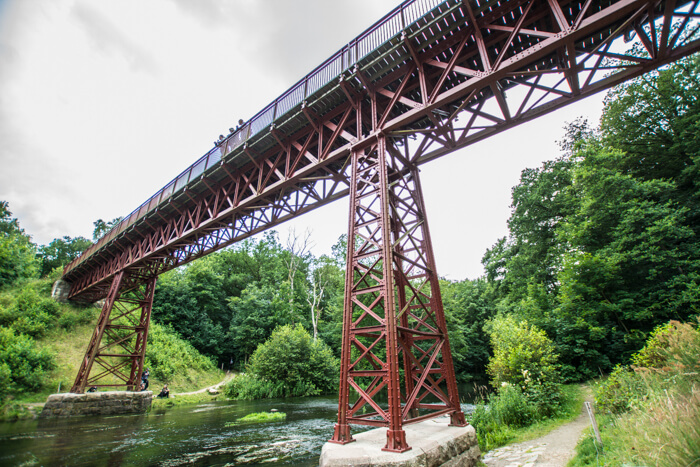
(619, 390)
(168, 355)
(30, 313)
(655, 402)
(507, 409)
(673, 346)
(670, 359)
(26, 364)
(290, 363)
(524, 356)
(247, 386)
(511, 407)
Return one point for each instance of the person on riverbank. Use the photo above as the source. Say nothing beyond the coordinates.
(144, 379)
(164, 393)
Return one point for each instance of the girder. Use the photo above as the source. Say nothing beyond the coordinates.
(462, 72)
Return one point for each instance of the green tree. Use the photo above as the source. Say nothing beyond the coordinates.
(603, 242)
(17, 252)
(292, 357)
(467, 308)
(256, 313)
(102, 227)
(60, 252)
(228, 302)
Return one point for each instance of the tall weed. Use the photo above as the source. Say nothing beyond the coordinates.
(507, 409)
(654, 403)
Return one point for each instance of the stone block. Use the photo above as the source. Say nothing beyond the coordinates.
(100, 403)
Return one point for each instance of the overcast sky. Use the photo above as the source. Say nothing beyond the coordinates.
(103, 102)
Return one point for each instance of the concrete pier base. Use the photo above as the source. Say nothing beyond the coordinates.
(96, 403)
(433, 443)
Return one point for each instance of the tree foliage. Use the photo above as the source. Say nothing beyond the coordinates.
(17, 252)
(102, 227)
(603, 242)
(60, 252)
(23, 365)
(467, 308)
(292, 357)
(229, 302)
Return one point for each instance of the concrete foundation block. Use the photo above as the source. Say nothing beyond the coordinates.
(96, 403)
(433, 443)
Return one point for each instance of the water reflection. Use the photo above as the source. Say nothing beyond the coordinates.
(193, 435)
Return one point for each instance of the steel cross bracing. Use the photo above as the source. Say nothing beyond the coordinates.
(118, 344)
(392, 305)
(463, 72)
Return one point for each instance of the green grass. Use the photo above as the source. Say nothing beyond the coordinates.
(176, 400)
(259, 417)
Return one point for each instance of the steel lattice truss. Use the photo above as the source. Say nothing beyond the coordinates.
(118, 344)
(464, 72)
(392, 305)
(467, 70)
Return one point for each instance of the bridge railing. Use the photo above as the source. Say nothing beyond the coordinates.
(381, 32)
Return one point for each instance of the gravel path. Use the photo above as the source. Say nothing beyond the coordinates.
(552, 450)
(215, 387)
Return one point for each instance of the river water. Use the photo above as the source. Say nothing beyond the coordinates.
(192, 435)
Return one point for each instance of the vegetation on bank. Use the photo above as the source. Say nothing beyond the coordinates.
(649, 409)
(289, 364)
(525, 373)
(42, 343)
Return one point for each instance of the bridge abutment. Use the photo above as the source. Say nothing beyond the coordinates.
(96, 403)
(60, 291)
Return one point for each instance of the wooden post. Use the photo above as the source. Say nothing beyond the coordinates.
(591, 415)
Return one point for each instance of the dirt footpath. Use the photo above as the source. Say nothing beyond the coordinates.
(215, 387)
(552, 450)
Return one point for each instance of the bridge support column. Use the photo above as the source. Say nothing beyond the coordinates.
(118, 344)
(392, 305)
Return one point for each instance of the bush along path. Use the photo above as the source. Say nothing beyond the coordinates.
(552, 450)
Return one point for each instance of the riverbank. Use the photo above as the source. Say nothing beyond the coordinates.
(43, 342)
(208, 394)
(555, 449)
(18, 410)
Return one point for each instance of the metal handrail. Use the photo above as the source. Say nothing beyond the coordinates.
(381, 32)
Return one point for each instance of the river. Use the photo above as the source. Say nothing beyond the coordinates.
(190, 435)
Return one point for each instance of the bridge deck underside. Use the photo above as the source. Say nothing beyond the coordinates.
(463, 72)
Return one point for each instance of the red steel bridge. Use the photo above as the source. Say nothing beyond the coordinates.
(427, 79)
